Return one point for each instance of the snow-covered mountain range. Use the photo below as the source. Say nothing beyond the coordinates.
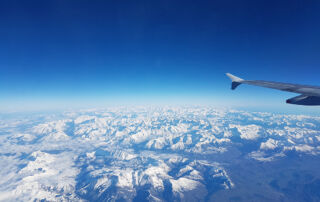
(150, 153)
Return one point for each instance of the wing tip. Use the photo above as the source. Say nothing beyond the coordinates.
(234, 78)
(236, 81)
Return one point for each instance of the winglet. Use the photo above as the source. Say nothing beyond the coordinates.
(236, 81)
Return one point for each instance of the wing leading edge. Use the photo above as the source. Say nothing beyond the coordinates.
(310, 95)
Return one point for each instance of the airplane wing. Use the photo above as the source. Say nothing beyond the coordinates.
(310, 95)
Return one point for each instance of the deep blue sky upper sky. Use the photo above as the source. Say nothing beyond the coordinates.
(154, 51)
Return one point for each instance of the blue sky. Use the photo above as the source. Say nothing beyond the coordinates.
(77, 53)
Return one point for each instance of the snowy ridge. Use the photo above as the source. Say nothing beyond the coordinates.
(142, 153)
